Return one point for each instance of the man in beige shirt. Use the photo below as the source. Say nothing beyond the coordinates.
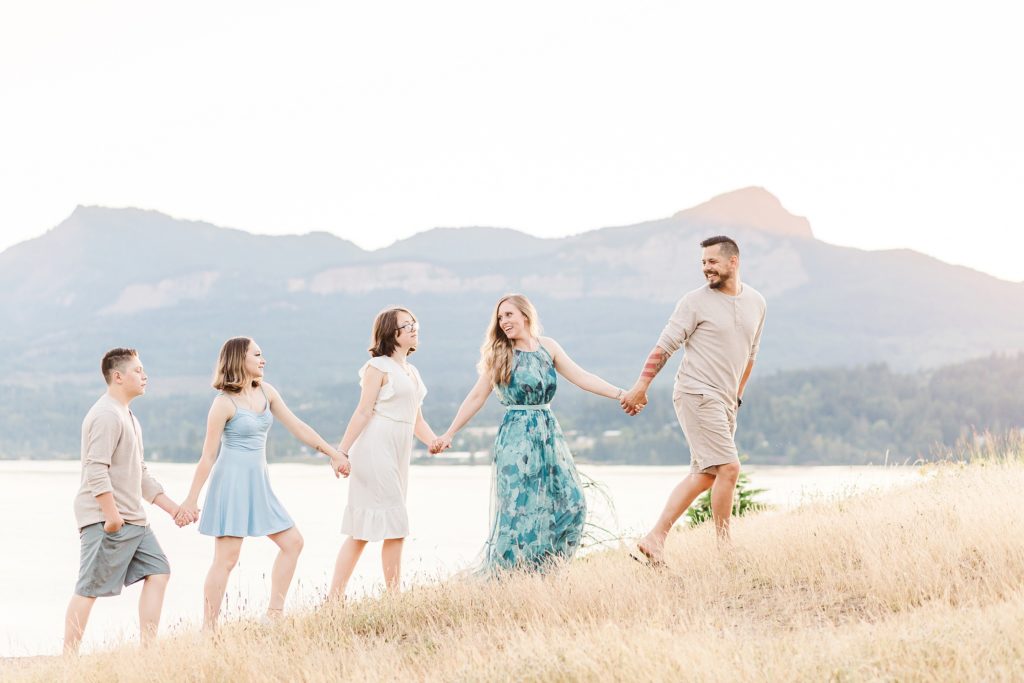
(720, 327)
(118, 547)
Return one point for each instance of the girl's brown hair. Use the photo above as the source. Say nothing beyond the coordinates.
(385, 331)
(496, 353)
(230, 373)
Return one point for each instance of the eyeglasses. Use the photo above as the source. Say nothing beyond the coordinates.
(411, 327)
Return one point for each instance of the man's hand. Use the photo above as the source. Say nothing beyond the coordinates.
(113, 525)
(634, 400)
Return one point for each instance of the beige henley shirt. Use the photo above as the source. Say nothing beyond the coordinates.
(112, 462)
(720, 333)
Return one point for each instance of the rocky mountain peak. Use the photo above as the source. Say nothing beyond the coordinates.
(750, 207)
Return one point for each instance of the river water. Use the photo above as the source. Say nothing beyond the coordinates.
(448, 509)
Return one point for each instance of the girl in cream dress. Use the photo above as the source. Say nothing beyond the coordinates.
(378, 441)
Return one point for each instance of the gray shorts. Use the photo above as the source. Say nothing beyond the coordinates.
(710, 430)
(110, 561)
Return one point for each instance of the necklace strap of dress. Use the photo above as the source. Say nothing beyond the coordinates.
(541, 347)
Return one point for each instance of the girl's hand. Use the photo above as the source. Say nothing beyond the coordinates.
(441, 443)
(340, 465)
(187, 513)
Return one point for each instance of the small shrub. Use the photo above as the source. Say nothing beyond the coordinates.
(743, 503)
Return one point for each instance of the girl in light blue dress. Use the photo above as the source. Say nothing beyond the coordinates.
(537, 508)
(240, 501)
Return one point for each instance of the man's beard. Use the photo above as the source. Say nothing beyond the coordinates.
(723, 278)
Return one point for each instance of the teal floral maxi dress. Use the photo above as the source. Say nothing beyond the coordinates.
(537, 503)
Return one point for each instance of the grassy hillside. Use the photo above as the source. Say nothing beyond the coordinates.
(920, 584)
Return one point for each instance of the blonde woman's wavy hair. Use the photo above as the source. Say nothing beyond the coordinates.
(496, 353)
(230, 373)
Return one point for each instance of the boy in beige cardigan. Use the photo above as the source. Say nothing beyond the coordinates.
(118, 547)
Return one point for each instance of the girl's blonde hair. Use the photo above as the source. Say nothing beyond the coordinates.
(496, 353)
(230, 373)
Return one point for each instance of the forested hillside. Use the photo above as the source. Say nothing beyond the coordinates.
(832, 416)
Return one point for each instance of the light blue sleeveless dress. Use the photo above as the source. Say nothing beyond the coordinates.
(239, 500)
(537, 507)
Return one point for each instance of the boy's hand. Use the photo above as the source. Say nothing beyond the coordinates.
(179, 519)
(183, 520)
(187, 513)
(113, 525)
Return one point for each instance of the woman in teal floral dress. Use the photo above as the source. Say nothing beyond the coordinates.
(538, 507)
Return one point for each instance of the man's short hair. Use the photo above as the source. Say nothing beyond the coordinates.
(114, 359)
(729, 246)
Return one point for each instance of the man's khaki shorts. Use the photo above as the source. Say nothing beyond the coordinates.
(710, 430)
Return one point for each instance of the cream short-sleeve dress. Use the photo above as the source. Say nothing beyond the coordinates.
(380, 456)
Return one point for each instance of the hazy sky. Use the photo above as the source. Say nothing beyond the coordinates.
(887, 124)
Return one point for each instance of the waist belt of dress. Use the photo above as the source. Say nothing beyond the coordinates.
(401, 422)
(539, 406)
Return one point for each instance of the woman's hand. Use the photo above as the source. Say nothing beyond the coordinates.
(340, 465)
(441, 443)
(634, 400)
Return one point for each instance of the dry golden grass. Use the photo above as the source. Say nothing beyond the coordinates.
(924, 583)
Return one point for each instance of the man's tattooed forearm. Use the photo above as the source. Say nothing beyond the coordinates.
(655, 362)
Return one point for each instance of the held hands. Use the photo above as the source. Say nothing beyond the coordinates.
(634, 400)
(340, 465)
(441, 444)
(188, 512)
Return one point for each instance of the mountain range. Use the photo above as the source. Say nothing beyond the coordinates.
(176, 289)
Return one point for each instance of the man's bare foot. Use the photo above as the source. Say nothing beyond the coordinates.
(654, 552)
